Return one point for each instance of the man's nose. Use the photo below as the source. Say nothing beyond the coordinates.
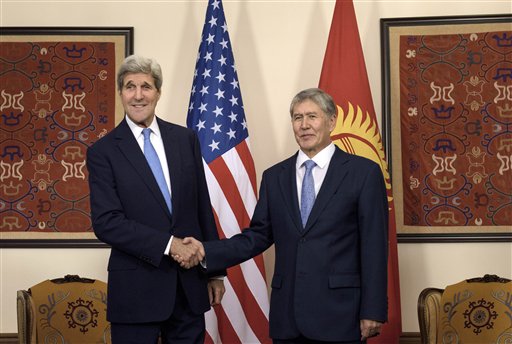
(304, 123)
(138, 93)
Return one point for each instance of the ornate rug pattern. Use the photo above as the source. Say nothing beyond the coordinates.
(57, 98)
(456, 129)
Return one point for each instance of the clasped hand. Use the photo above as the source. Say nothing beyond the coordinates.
(187, 252)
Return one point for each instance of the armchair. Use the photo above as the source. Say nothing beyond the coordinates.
(477, 310)
(63, 310)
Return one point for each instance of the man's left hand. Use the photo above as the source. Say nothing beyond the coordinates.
(369, 328)
(216, 291)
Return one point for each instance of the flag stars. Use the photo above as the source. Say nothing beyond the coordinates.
(218, 111)
(213, 22)
(202, 107)
(220, 77)
(210, 39)
(200, 125)
(207, 56)
(206, 73)
(216, 128)
(233, 100)
(219, 94)
(222, 60)
(214, 145)
(224, 44)
(204, 90)
(216, 108)
(231, 133)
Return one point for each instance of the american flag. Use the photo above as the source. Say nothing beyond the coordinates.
(216, 114)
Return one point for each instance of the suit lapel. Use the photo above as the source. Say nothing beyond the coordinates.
(132, 152)
(335, 174)
(288, 183)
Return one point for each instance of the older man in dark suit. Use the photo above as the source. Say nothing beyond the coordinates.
(148, 188)
(326, 211)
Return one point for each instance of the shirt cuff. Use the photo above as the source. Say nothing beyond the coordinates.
(168, 247)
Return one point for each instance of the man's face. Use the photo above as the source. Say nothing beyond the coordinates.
(312, 127)
(139, 97)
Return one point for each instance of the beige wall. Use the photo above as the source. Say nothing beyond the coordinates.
(279, 48)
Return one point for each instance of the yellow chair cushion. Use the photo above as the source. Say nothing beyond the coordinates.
(476, 312)
(72, 312)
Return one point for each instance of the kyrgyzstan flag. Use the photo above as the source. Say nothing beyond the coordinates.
(344, 77)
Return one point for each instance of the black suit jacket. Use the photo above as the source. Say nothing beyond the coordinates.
(333, 272)
(129, 213)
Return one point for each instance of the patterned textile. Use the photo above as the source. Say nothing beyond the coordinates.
(71, 312)
(456, 129)
(476, 312)
(57, 98)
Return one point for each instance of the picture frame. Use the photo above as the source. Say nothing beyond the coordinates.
(58, 95)
(439, 187)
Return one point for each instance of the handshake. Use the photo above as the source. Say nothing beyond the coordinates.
(187, 252)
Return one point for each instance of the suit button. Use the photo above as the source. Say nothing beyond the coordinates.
(302, 240)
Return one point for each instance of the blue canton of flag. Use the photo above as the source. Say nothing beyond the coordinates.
(216, 110)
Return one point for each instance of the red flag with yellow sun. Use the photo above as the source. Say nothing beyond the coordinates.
(345, 78)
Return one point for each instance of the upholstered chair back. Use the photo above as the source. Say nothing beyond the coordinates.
(477, 310)
(64, 310)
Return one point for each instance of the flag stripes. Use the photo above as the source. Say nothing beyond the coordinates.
(247, 281)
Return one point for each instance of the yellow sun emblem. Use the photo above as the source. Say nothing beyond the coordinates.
(357, 133)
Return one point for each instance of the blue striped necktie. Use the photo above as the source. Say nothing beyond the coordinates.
(156, 167)
(307, 195)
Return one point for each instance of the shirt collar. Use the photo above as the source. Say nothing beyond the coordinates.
(321, 159)
(137, 131)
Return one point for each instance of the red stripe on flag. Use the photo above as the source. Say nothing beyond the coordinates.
(226, 332)
(208, 339)
(246, 158)
(255, 317)
(228, 185)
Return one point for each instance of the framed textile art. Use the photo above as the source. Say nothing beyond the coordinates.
(447, 119)
(58, 96)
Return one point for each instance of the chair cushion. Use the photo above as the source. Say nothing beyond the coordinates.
(476, 312)
(71, 312)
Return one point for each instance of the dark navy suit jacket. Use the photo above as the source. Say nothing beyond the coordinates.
(333, 272)
(129, 213)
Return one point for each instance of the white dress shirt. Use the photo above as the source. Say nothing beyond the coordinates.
(322, 160)
(156, 141)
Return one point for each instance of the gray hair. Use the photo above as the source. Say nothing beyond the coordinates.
(317, 96)
(140, 64)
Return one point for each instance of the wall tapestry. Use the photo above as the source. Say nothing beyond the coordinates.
(448, 111)
(57, 97)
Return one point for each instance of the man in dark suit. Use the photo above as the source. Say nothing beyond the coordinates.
(329, 223)
(148, 188)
